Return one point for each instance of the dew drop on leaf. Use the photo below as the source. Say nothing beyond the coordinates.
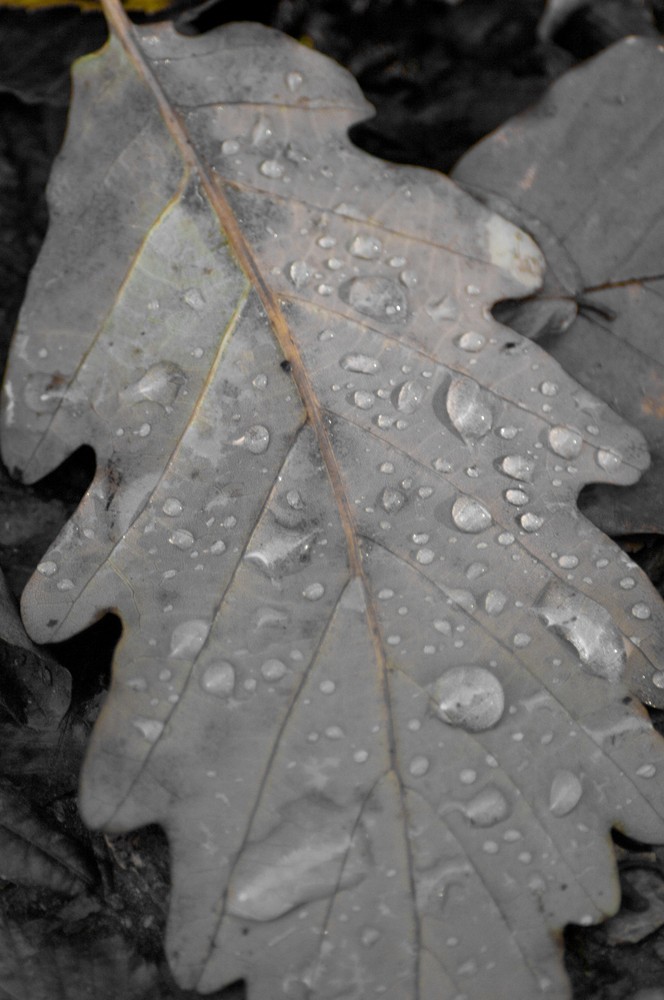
(468, 409)
(608, 460)
(487, 808)
(516, 497)
(565, 441)
(517, 467)
(366, 247)
(641, 611)
(47, 568)
(363, 400)
(470, 515)
(181, 539)
(187, 639)
(410, 396)
(391, 500)
(299, 273)
(274, 670)
(380, 298)
(151, 729)
(494, 602)
(470, 697)
(360, 363)
(531, 522)
(160, 384)
(587, 626)
(219, 679)
(565, 793)
(471, 341)
(172, 507)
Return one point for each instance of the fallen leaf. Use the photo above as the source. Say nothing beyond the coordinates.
(581, 173)
(375, 669)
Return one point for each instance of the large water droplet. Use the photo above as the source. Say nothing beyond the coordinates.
(468, 409)
(470, 515)
(219, 679)
(565, 441)
(487, 808)
(283, 553)
(308, 856)
(160, 384)
(566, 791)
(410, 396)
(360, 363)
(470, 697)
(366, 247)
(518, 467)
(380, 298)
(187, 639)
(587, 626)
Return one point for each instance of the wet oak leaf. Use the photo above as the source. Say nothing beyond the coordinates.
(376, 676)
(580, 172)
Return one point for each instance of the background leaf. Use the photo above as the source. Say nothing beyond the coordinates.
(334, 709)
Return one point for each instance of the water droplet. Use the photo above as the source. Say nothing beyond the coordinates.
(391, 500)
(366, 247)
(308, 856)
(487, 808)
(160, 384)
(151, 729)
(516, 497)
(369, 936)
(313, 592)
(410, 396)
(44, 391)
(419, 766)
(627, 583)
(274, 670)
(505, 538)
(299, 273)
(256, 439)
(188, 638)
(565, 793)
(565, 441)
(494, 602)
(380, 298)
(468, 409)
(531, 522)
(517, 467)
(283, 553)
(608, 460)
(65, 584)
(470, 697)
(470, 515)
(294, 80)
(444, 309)
(363, 400)
(587, 626)
(194, 299)
(261, 131)
(230, 146)
(641, 611)
(521, 640)
(471, 341)
(360, 363)
(219, 679)
(476, 570)
(647, 771)
(568, 562)
(218, 547)
(172, 507)
(47, 568)
(259, 382)
(548, 388)
(181, 539)
(425, 556)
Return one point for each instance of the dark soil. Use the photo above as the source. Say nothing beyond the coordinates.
(441, 77)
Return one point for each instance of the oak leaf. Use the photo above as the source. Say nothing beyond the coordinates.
(376, 673)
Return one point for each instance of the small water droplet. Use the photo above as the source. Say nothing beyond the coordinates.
(256, 439)
(65, 584)
(468, 409)
(380, 298)
(274, 670)
(419, 766)
(647, 771)
(369, 936)
(181, 539)
(565, 441)
(294, 80)
(627, 582)
(259, 382)
(299, 273)
(471, 341)
(476, 570)
(391, 500)
(565, 794)
(410, 396)
(188, 638)
(641, 611)
(151, 729)
(313, 592)
(218, 547)
(444, 309)
(509, 432)
(568, 562)
(494, 602)
(608, 460)
(470, 697)
(282, 553)
(658, 679)
(363, 400)
(230, 146)
(470, 515)
(194, 299)
(516, 497)
(172, 507)
(425, 556)
(518, 467)
(531, 522)
(219, 679)
(360, 363)
(366, 247)
(47, 568)
(521, 640)
(160, 384)
(548, 388)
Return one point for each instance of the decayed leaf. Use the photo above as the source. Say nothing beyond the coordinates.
(581, 173)
(374, 674)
